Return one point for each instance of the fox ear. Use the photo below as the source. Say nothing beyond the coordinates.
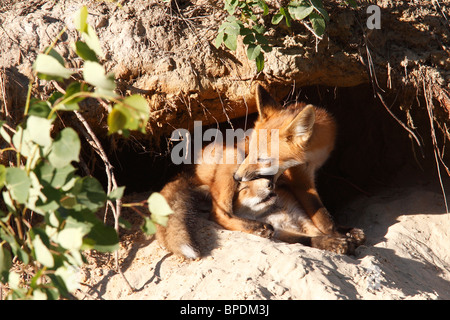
(302, 125)
(265, 102)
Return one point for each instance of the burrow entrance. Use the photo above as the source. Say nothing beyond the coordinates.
(372, 151)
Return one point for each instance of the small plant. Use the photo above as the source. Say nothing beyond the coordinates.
(248, 26)
(44, 181)
(245, 20)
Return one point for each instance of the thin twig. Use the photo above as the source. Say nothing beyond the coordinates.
(399, 121)
(429, 103)
(5, 99)
(92, 139)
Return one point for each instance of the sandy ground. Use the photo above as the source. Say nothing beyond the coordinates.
(406, 256)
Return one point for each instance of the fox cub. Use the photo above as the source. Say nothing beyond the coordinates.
(259, 200)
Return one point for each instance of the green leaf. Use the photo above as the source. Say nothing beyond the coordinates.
(55, 55)
(261, 39)
(161, 220)
(248, 39)
(94, 73)
(3, 133)
(260, 29)
(324, 13)
(86, 53)
(230, 6)
(2, 175)
(84, 219)
(159, 208)
(70, 103)
(8, 202)
(260, 62)
(138, 105)
(117, 120)
(132, 114)
(102, 238)
(38, 294)
(317, 3)
(263, 5)
(51, 202)
(68, 202)
(230, 41)
(71, 238)
(287, 16)
(43, 254)
(233, 28)
(5, 263)
(39, 130)
(149, 227)
(18, 184)
(245, 31)
(124, 223)
(80, 19)
(219, 39)
(318, 23)
(35, 192)
(89, 193)
(300, 12)
(91, 39)
(65, 149)
(15, 246)
(253, 51)
(276, 19)
(22, 141)
(116, 193)
(40, 108)
(48, 65)
(55, 177)
(68, 275)
(158, 205)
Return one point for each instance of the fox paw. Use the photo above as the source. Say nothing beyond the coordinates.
(356, 236)
(264, 230)
(331, 243)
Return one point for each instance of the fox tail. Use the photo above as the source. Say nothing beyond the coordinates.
(177, 235)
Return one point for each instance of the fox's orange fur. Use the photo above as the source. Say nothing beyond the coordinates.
(258, 199)
(306, 138)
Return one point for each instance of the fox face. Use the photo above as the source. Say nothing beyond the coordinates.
(254, 197)
(285, 137)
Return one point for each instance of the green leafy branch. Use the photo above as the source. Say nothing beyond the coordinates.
(247, 26)
(44, 181)
(245, 20)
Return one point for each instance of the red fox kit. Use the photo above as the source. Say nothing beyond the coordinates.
(306, 139)
(257, 199)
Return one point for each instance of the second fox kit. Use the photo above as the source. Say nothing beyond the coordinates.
(258, 199)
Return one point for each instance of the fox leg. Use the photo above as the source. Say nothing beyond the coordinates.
(303, 187)
(222, 213)
(324, 242)
(337, 243)
(301, 182)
